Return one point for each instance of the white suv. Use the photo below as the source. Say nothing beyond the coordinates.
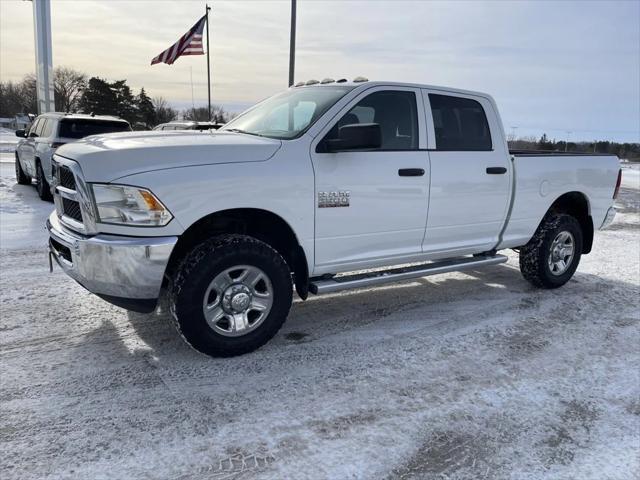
(48, 132)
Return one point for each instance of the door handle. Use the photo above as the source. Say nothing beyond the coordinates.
(496, 170)
(411, 172)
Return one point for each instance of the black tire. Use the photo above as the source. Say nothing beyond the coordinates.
(194, 275)
(21, 177)
(535, 255)
(44, 190)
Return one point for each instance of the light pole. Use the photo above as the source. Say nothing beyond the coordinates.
(44, 61)
(513, 133)
(566, 143)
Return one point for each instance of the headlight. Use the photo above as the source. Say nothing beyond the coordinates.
(125, 205)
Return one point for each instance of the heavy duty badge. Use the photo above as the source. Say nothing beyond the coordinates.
(333, 199)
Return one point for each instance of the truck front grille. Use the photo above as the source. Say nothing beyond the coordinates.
(66, 178)
(71, 209)
(72, 196)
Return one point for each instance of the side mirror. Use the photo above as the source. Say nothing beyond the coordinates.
(358, 136)
(21, 133)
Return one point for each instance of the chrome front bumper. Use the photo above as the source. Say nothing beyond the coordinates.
(121, 270)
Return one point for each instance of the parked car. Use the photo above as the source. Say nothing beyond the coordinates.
(48, 132)
(307, 186)
(188, 126)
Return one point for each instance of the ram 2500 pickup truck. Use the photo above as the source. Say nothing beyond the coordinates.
(310, 188)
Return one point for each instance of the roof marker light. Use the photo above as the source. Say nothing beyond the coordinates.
(312, 82)
(299, 84)
(327, 80)
(342, 80)
(360, 79)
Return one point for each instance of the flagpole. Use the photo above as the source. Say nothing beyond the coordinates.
(292, 43)
(208, 66)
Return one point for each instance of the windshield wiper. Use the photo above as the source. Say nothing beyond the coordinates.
(237, 130)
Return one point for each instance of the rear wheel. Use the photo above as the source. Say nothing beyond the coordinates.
(21, 177)
(552, 256)
(230, 295)
(44, 190)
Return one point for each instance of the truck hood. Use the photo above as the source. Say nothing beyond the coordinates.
(105, 158)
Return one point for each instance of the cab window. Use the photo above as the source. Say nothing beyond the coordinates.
(460, 124)
(394, 111)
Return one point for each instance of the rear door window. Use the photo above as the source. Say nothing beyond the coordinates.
(460, 124)
(80, 128)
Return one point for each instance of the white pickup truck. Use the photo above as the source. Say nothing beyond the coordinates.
(310, 188)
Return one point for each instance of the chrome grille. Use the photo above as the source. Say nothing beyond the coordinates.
(72, 196)
(71, 209)
(66, 178)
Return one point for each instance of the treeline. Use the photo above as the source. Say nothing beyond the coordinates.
(628, 151)
(75, 92)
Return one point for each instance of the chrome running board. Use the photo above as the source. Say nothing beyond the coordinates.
(380, 277)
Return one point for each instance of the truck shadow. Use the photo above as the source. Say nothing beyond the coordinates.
(443, 303)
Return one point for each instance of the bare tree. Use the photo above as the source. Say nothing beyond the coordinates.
(68, 85)
(200, 114)
(163, 112)
(27, 94)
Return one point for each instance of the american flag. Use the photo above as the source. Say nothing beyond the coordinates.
(189, 44)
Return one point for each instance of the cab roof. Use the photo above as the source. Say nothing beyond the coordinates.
(361, 81)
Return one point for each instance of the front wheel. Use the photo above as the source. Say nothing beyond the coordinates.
(230, 295)
(552, 256)
(44, 190)
(21, 177)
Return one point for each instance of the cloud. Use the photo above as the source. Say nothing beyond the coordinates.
(565, 65)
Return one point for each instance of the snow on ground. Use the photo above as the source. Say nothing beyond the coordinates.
(22, 213)
(471, 375)
(8, 140)
(631, 175)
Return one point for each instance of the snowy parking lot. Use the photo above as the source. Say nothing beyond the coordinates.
(473, 375)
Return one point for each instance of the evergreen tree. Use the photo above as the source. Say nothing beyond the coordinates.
(98, 98)
(146, 111)
(125, 101)
(544, 143)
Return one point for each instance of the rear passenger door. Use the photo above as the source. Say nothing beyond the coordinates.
(470, 174)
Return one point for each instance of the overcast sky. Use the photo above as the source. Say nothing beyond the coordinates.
(551, 66)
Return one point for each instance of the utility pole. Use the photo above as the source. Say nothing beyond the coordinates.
(44, 61)
(566, 143)
(292, 43)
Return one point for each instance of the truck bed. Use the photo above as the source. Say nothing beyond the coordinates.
(539, 182)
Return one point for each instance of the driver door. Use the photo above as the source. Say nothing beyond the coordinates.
(371, 205)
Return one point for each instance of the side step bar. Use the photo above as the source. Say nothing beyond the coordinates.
(360, 280)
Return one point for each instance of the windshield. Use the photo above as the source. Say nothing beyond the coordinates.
(80, 128)
(288, 114)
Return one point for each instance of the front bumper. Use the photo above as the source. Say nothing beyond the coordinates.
(125, 271)
(608, 219)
